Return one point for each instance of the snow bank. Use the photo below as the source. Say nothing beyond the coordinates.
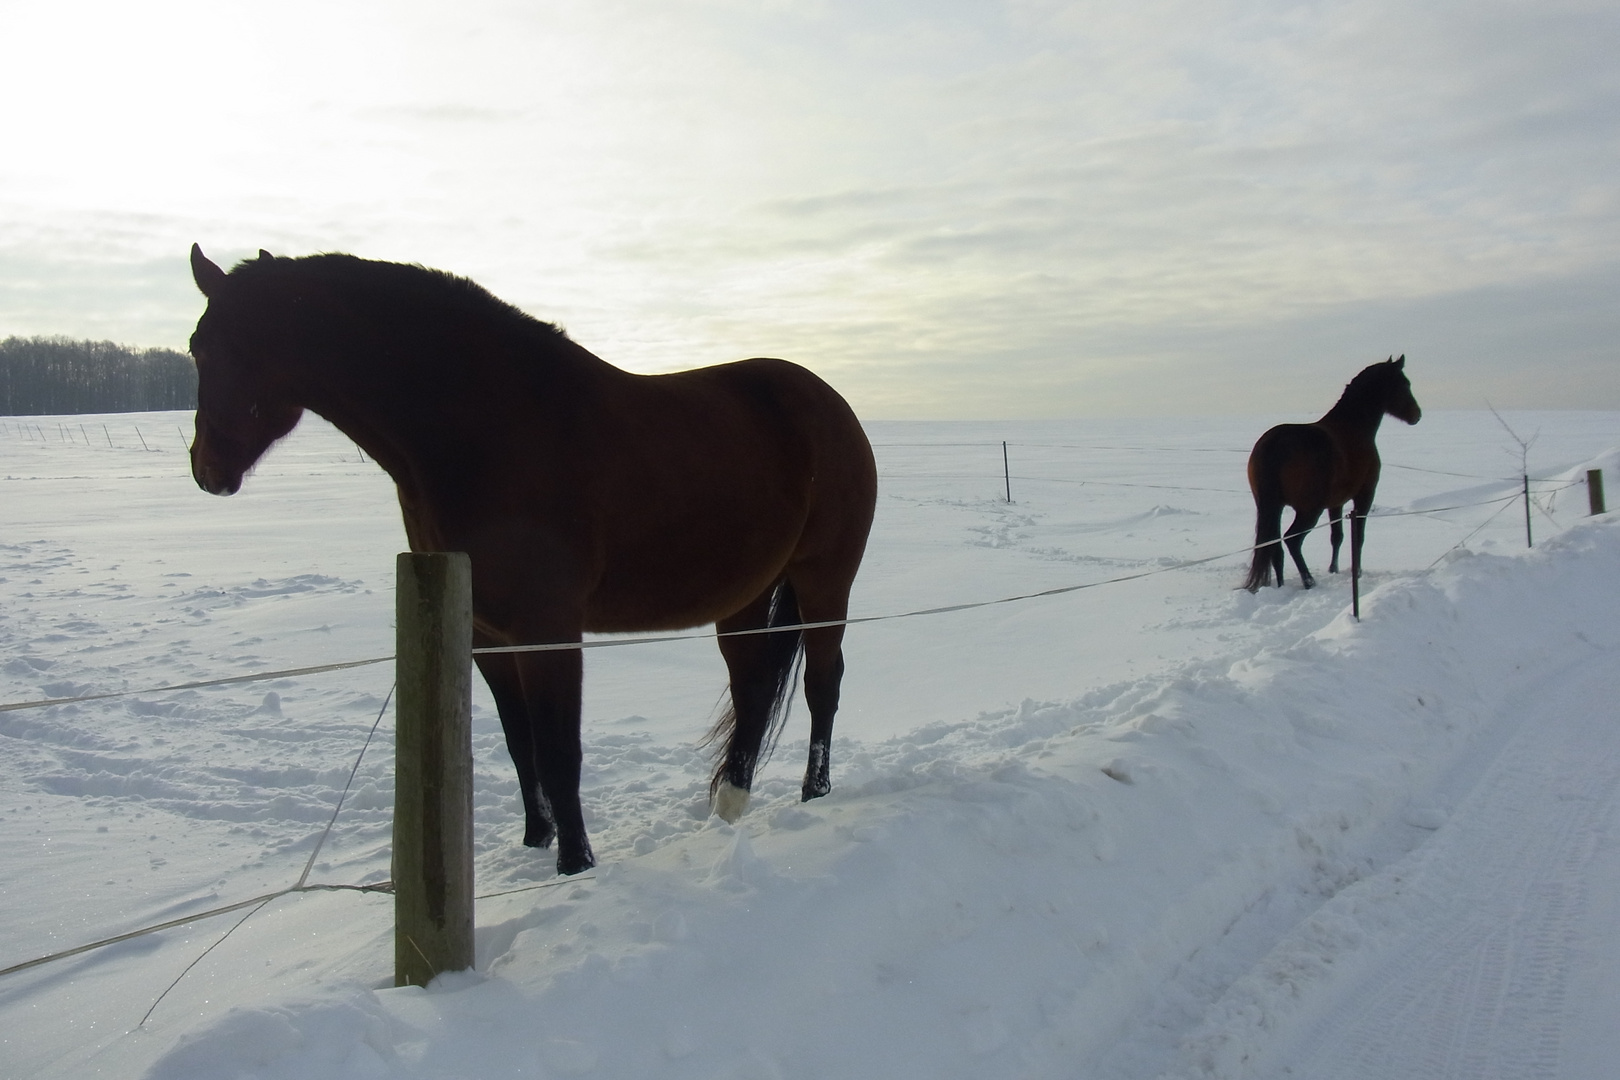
(1035, 892)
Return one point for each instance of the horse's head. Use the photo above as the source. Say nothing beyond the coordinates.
(243, 404)
(1398, 399)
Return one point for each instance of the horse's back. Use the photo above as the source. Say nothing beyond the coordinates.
(820, 439)
(709, 483)
(1293, 464)
(779, 402)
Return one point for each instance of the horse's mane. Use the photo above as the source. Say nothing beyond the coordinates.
(1369, 386)
(398, 289)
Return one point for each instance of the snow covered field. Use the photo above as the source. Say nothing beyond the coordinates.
(1152, 828)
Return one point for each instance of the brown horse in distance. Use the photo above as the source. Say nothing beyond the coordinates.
(590, 499)
(1321, 466)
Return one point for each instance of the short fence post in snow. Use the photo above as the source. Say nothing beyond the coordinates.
(433, 837)
(1355, 596)
(1528, 540)
(1006, 473)
(1594, 489)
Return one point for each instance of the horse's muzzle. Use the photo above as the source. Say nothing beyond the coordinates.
(215, 484)
(213, 479)
(206, 469)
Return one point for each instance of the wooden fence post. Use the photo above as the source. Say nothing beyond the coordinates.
(433, 870)
(1594, 490)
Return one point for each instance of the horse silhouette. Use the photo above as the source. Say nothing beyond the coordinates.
(588, 498)
(1321, 466)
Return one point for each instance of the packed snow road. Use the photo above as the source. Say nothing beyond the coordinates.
(1489, 951)
(1489, 948)
(1160, 828)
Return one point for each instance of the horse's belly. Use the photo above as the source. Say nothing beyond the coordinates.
(671, 594)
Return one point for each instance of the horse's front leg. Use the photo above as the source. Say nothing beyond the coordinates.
(501, 673)
(1335, 534)
(1358, 533)
(551, 683)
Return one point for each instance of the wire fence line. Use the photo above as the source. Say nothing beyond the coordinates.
(1067, 480)
(184, 919)
(1174, 450)
(66, 434)
(386, 887)
(617, 642)
(257, 903)
(262, 676)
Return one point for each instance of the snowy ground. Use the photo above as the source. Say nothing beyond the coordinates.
(1155, 828)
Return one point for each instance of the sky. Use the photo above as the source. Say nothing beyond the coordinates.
(948, 209)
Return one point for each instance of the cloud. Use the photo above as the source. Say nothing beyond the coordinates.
(951, 209)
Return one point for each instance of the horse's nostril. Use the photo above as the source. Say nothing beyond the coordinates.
(214, 482)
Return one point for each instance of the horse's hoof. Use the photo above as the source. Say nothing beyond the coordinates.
(730, 802)
(816, 781)
(539, 836)
(574, 862)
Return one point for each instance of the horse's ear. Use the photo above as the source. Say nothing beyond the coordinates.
(208, 277)
(265, 255)
(1401, 363)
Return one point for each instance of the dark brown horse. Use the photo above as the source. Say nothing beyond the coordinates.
(589, 498)
(1321, 466)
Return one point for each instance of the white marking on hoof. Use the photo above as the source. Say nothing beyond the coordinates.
(730, 802)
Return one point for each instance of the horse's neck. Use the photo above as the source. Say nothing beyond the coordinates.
(1355, 413)
(386, 444)
(412, 411)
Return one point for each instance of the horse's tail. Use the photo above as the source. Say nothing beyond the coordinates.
(1266, 484)
(1267, 532)
(783, 652)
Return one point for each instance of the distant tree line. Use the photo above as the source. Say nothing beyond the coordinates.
(50, 375)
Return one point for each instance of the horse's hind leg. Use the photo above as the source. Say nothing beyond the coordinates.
(1335, 534)
(500, 672)
(1304, 522)
(823, 597)
(761, 671)
(823, 677)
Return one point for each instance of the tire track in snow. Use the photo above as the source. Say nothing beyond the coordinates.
(1452, 962)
